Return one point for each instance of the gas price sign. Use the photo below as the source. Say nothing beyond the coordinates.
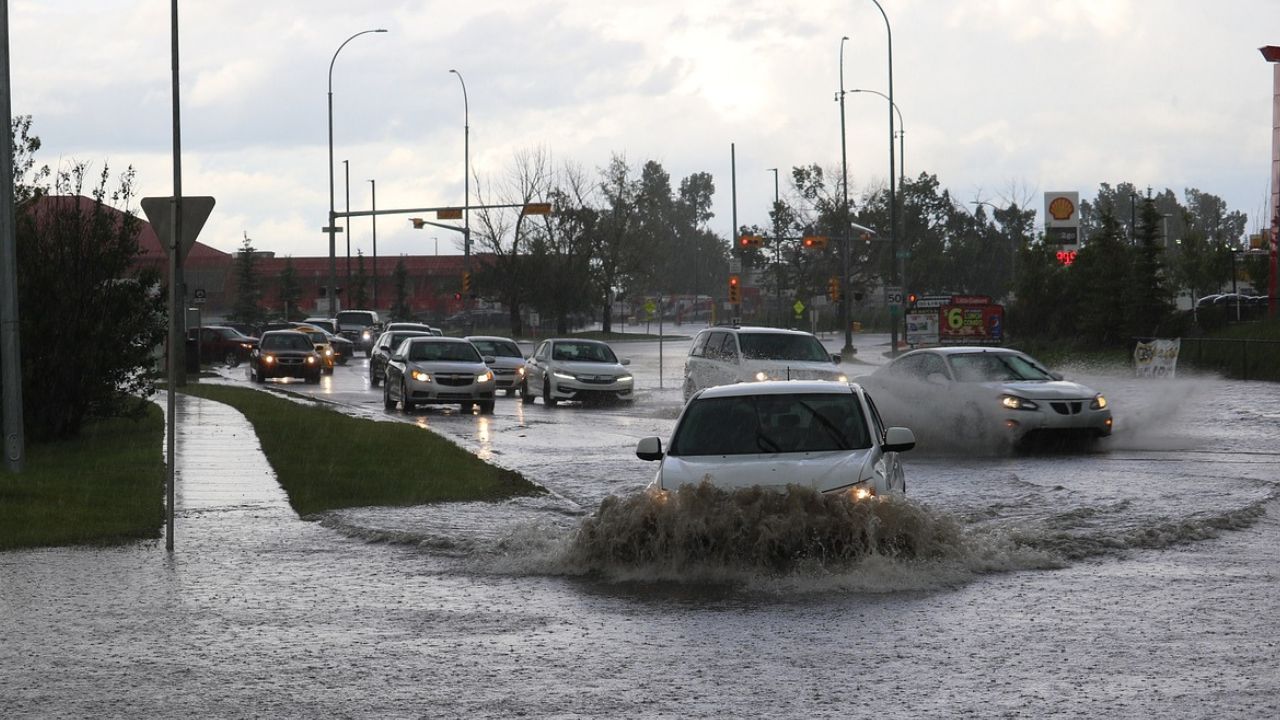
(971, 324)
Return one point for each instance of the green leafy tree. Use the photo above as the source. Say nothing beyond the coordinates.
(1041, 307)
(247, 307)
(290, 290)
(400, 310)
(1149, 300)
(89, 318)
(1099, 285)
(360, 283)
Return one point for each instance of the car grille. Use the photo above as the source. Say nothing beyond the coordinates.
(1067, 408)
(596, 379)
(503, 371)
(454, 380)
(289, 360)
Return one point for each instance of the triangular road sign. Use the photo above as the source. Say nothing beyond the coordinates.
(195, 210)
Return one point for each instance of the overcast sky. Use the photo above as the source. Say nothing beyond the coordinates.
(1002, 99)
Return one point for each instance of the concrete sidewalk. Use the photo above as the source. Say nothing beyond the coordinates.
(219, 466)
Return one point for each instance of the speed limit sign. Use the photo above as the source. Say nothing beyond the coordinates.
(893, 296)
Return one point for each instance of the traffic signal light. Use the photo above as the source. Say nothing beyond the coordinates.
(457, 296)
(750, 241)
(833, 288)
(735, 290)
(466, 282)
(912, 298)
(814, 242)
(418, 223)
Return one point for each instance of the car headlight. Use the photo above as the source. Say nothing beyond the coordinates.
(1099, 402)
(624, 378)
(328, 352)
(762, 376)
(246, 346)
(520, 371)
(563, 376)
(842, 378)
(1013, 402)
(268, 359)
(420, 376)
(366, 336)
(485, 376)
(311, 359)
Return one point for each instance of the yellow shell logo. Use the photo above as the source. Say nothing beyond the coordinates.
(1061, 208)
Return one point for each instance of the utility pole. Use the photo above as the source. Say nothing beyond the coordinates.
(10, 348)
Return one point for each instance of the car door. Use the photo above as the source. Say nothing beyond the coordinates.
(536, 368)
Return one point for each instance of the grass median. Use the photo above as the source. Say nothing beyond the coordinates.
(325, 460)
(105, 487)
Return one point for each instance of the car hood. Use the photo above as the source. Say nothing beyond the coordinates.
(793, 369)
(504, 362)
(445, 366)
(1056, 390)
(589, 368)
(822, 471)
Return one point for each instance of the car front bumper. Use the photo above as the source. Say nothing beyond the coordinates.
(448, 389)
(578, 389)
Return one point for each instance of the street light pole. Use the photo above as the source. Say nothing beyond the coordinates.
(332, 228)
(373, 190)
(466, 188)
(844, 229)
(346, 221)
(777, 247)
(893, 200)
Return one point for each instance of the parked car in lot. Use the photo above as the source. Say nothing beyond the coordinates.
(722, 355)
(574, 369)
(220, 343)
(246, 329)
(321, 340)
(421, 327)
(988, 396)
(508, 361)
(285, 353)
(438, 370)
(360, 327)
(386, 344)
(822, 435)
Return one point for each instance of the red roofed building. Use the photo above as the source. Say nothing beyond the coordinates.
(432, 280)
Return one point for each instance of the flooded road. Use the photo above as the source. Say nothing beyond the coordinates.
(1135, 579)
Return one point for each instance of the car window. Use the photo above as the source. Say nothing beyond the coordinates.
(911, 366)
(286, 341)
(699, 344)
(583, 352)
(497, 348)
(931, 364)
(782, 346)
(442, 351)
(716, 346)
(541, 352)
(771, 424)
(994, 367)
(875, 417)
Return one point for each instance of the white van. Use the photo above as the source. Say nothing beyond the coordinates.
(724, 355)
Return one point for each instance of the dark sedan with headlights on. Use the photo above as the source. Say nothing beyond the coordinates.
(285, 354)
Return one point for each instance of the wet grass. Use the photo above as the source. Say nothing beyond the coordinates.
(325, 460)
(104, 488)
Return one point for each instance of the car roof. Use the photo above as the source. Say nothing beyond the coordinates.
(778, 387)
(965, 350)
(489, 337)
(758, 329)
(427, 337)
(577, 340)
(282, 332)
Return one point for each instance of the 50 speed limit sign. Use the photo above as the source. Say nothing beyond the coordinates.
(893, 296)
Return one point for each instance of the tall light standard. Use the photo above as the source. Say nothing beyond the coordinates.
(902, 153)
(777, 245)
(332, 228)
(373, 191)
(893, 200)
(346, 221)
(844, 234)
(466, 182)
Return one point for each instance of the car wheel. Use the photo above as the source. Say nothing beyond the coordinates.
(258, 377)
(373, 377)
(404, 398)
(231, 359)
(486, 407)
(510, 391)
(314, 379)
(525, 397)
(387, 402)
(546, 394)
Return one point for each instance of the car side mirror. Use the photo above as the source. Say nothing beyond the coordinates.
(625, 361)
(835, 358)
(386, 348)
(650, 448)
(489, 359)
(898, 439)
(397, 358)
(1055, 375)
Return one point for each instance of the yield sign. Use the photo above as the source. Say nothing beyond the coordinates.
(195, 210)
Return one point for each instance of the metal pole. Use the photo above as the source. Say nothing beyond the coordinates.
(346, 221)
(176, 345)
(10, 348)
(466, 191)
(893, 200)
(733, 233)
(844, 221)
(777, 248)
(373, 190)
(332, 229)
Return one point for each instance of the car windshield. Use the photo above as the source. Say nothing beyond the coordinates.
(286, 341)
(396, 338)
(583, 352)
(771, 424)
(447, 351)
(995, 367)
(317, 337)
(497, 348)
(782, 346)
(353, 317)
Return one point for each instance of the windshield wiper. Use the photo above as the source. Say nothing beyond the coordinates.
(830, 427)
